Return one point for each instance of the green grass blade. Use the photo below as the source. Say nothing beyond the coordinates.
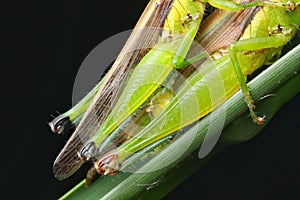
(279, 79)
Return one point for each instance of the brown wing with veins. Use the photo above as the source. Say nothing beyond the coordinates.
(138, 44)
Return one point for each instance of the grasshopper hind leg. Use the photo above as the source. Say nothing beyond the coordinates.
(252, 44)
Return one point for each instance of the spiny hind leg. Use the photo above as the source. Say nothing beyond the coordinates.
(252, 44)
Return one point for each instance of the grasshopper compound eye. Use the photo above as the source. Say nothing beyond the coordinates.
(61, 125)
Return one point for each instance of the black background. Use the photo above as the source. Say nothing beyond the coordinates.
(43, 45)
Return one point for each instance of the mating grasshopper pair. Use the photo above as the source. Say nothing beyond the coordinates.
(153, 96)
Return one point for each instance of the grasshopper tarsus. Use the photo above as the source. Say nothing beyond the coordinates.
(87, 152)
(259, 120)
(61, 125)
(109, 165)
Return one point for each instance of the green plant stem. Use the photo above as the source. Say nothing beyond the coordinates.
(277, 79)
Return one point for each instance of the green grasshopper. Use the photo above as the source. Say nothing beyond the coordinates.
(271, 28)
(158, 101)
(69, 120)
(168, 54)
(184, 17)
